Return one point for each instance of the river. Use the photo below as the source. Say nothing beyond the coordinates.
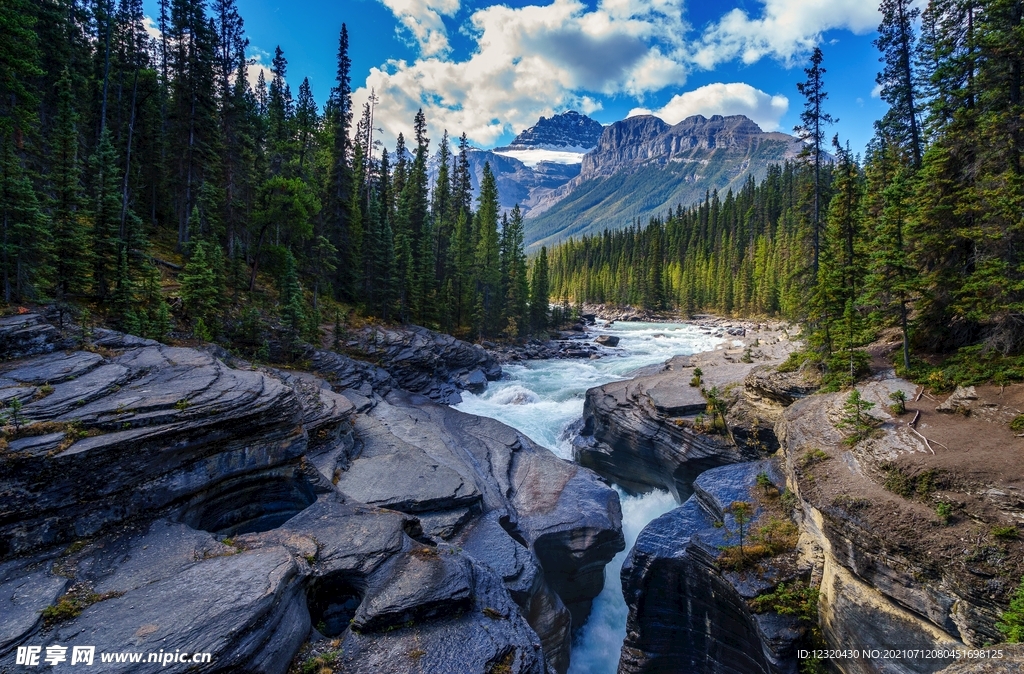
(541, 399)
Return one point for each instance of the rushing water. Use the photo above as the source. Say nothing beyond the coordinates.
(542, 399)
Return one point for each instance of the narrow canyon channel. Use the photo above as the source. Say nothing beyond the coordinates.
(542, 399)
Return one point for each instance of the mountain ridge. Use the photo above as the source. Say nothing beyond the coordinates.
(643, 165)
(567, 131)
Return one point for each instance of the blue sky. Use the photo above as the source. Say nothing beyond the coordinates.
(492, 69)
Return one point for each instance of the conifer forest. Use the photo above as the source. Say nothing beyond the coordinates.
(147, 183)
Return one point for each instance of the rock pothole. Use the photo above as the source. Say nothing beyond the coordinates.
(250, 506)
(333, 602)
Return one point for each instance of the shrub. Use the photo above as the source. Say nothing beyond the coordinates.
(899, 403)
(1017, 425)
(1011, 623)
(902, 484)
(944, 511)
(811, 457)
(1006, 533)
(796, 599)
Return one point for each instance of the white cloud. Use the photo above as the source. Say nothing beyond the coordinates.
(422, 19)
(532, 61)
(723, 99)
(786, 30)
(877, 91)
(152, 29)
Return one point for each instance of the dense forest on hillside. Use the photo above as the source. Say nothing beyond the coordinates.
(147, 183)
(925, 233)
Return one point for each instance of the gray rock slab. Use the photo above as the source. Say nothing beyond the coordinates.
(411, 482)
(54, 368)
(22, 600)
(672, 395)
(424, 582)
(230, 606)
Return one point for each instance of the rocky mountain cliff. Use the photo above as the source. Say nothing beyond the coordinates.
(569, 130)
(642, 166)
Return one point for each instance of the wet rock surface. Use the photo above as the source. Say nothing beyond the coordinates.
(178, 502)
(422, 361)
(686, 614)
(649, 432)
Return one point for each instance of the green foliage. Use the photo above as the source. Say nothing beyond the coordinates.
(796, 599)
(716, 409)
(900, 482)
(944, 511)
(811, 457)
(1017, 425)
(899, 403)
(855, 419)
(1011, 622)
(201, 287)
(1007, 533)
(970, 366)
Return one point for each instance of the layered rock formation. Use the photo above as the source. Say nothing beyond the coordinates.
(686, 614)
(420, 361)
(909, 582)
(644, 433)
(155, 498)
(890, 568)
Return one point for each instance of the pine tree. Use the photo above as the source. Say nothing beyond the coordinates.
(892, 278)
(106, 209)
(292, 312)
(487, 276)
(813, 121)
(70, 233)
(202, 287)
(539, 292)
(896, 41)
(515, 319)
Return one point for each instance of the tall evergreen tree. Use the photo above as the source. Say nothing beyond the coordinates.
(487, 278)
(70, 233)
(896, 41)
(539, 292)
(813, 121)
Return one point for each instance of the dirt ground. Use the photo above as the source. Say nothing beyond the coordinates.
(948, 488)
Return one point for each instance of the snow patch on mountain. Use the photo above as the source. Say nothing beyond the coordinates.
(554, 155)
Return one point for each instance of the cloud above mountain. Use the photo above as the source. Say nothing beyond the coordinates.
(723, 99)
(533, 61)
(541, 59)
(785, 30)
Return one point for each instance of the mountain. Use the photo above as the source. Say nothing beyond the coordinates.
(642, 166)
(518, 183)
(567, 130)
(562, 139)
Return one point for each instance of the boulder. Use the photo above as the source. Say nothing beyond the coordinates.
(607, 340)
(959, 402)
(422, 361)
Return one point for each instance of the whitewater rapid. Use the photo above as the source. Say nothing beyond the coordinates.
(541, 399)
